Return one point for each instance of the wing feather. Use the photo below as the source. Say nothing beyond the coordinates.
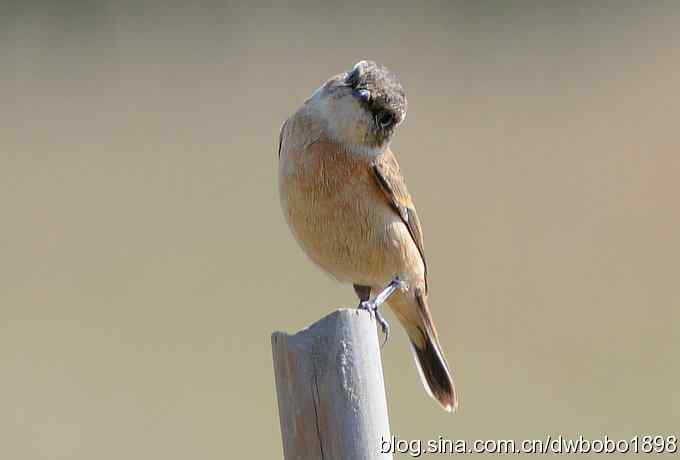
(283, 127)
(387, 174)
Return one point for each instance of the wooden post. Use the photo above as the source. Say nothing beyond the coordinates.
(330, 389)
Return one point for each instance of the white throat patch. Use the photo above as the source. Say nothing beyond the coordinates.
(340, 118)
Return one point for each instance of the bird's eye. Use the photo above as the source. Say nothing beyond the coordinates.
(384, 119)
(363, 94)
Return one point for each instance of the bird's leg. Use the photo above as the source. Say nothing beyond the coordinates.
(372, 305)
(363, 292)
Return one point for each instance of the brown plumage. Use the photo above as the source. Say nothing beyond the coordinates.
(347, 204)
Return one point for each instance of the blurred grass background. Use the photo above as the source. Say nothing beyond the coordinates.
(144, 260)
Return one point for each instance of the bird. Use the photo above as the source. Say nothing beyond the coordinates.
(345, 201)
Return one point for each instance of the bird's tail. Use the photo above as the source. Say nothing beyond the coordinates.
(427, 352)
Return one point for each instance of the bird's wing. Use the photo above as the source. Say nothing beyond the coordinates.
(387, 174)
(283, 127)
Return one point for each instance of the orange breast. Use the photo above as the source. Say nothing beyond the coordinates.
(338, 214)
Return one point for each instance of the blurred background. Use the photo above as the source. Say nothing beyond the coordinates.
(144, 260)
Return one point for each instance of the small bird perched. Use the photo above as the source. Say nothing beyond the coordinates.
(346, 203)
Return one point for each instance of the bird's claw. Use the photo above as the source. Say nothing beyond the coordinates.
(384, 326)
(380, 298)
(372, 308)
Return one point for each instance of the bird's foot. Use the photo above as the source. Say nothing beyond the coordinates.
(372, 306)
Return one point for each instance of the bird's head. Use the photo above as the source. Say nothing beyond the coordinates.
(361, 108)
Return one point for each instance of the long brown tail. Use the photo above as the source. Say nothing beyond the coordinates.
(434, 372)
(430, 361)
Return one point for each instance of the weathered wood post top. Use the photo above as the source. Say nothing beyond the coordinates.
(330, 389)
